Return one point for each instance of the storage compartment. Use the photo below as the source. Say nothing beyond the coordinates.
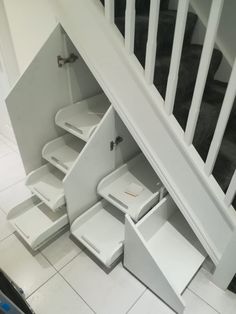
(170, 252)
(101, 230)
(82, 118)
(133, 188)
(46, 183)
(35, 222)
(63, 151)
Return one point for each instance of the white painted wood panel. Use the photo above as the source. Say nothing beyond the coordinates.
(110, 10)
(82, 83)
(159, 136)
(35, 222)
(229, 197)
(33, 102)
(208, 46)
(173, 76)
(222, 122)
(152, 40)
(130, 25)
(94, 162)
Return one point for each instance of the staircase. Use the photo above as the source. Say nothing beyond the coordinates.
(165, 91)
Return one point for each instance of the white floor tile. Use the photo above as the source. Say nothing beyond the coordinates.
(4, 148)
(222, 301)
(56, 296)
(12, 144)
(28, 271)
(150, 304)
(105, 293)
(11, 170)
(13, 195)
(5, 227)
(61, 251)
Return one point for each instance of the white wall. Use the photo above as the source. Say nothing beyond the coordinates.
(24, 27)
(226, 33)
(31, 22)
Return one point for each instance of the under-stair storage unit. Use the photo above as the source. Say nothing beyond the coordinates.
(134, 188)
(70, 92)
(35, 222)
(63, 151)
(46, 183)
(101, 230)
(163, 252)
(82, 118)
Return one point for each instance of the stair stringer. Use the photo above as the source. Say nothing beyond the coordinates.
(140, 106)
(139, 261)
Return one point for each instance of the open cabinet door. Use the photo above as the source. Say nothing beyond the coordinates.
(163, 252)
(35, 99)
(138, 259)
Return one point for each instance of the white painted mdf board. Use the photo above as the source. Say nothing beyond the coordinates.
(32, 104)
(159, 137)
(35, 222)
(138, 261)
(101, 230)
(95, 162)
(41, 92)
(82, 82)
(30, 23)
(158, 253)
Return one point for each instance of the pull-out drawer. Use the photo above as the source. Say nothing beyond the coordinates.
(63, 151)
(35, 222)
(46, 183)
(101, 230)
(134, 188)
(82, 118)
(163, 252)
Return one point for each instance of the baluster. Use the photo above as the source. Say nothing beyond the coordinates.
(230, 194)
(130, 25)
(110, 10)
(213, 22)
(152, 40)
(181, 19)
(222, 122)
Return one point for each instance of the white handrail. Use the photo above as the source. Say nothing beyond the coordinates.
(152, 41)
(130, 25)
(209, 42)
(110, 10)
(181, 20)
(222, 122)
(230, 194)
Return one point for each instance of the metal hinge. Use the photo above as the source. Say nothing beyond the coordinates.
(62, 61)
(115, 143)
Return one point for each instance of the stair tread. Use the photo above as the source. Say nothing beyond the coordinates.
(187, 72)
(142, 6)
(165, 32)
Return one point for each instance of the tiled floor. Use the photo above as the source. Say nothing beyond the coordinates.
(63, 279)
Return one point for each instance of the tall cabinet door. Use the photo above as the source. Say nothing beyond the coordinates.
(34, 101)
(95, 161)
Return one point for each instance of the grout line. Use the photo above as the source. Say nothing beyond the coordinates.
(204, 301)
(5, 154)
(10, 186)
(141, 295)
(41, 285)
(6, 237)
(77, 293)
(39, 252)
(6, 141)
(70, 261)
